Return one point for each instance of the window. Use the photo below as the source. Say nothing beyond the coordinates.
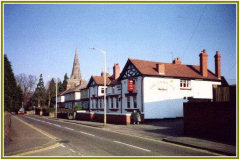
(112, 103)
(119, 87)
(184, 83)
(70, 106)
(102, 90)
(101, 103)
(134, 102)
(116, 102)
(128, 102)
(112, 90)
(94, 103)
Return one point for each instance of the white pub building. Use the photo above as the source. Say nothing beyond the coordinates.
(156, 89)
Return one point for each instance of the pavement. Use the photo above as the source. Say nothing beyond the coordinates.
(27, 140)
(168, 130)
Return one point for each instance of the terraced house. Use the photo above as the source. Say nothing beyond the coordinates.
(156, 89)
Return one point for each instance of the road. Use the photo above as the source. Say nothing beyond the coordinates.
(83, 140)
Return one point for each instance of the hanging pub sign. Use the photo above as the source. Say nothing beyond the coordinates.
(131, 85)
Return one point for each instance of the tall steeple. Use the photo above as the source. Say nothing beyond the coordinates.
(76, 74)
(76, 78)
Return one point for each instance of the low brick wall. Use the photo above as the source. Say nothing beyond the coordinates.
(211, 120)
(111, 118)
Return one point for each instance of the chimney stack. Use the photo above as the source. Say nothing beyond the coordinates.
(217, 64)
(203, 63)
(102, 74)
(160, 68)
(176, 61)
(116, 71)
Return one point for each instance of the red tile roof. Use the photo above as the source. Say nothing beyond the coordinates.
(76, 89)
(171, 70)
(99, 80)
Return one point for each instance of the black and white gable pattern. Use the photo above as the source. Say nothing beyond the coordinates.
(131, 71)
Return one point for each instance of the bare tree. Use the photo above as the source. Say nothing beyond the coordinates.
(27, 84)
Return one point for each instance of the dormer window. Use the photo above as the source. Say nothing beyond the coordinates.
(185, 84)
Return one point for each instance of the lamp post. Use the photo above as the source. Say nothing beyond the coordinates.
(56, 98)
(105, 68)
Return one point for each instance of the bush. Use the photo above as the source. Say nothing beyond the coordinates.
(78, 107)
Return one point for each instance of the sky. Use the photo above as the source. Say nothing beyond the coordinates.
(41, 38)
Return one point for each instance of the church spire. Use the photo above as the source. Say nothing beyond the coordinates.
(76, 74)
(76, 78)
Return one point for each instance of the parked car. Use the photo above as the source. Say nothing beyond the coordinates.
(21, 110)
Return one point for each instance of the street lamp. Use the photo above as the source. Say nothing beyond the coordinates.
(56, 98)
(105, 68)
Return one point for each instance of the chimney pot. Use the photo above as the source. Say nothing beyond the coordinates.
(177, 61)
(102, 74)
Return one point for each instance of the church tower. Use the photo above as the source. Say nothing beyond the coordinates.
(76, 78)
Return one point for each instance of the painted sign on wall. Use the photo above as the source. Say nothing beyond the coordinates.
(131, 85)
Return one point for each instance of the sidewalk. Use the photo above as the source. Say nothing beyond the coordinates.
(22, 138)
(170, 130)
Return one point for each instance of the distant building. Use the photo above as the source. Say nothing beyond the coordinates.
(72, 95)
(76, 78)
(96, 91)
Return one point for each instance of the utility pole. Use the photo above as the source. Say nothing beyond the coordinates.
(105, 86)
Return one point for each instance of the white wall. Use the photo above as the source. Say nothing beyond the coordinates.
(77, 95)
(203, 89)
(163, 97)
(99, 91)
(62, 99)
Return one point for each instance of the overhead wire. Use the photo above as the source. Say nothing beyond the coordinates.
(194, 31)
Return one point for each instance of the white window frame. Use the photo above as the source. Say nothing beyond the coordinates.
(185, 83)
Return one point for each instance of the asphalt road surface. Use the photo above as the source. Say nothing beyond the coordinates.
(82, 140)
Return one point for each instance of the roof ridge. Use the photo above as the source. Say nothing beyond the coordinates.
(133, 59)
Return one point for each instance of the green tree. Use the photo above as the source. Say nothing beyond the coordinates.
(65, 81)
(39, 96)
(51, 92)
(12, 92)
(60, 87)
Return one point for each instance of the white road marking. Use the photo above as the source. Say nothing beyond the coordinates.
(72, 150)
(69, 128)
(56, 125)
(45, 122)
(132, 146)
(86, 133)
